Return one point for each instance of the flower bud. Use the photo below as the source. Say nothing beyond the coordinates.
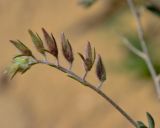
(37, 42)
(67, 49)
(89, 57)
(100, 69)
(51, 43)
(21, 47)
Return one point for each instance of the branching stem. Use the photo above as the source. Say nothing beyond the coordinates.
(74, 76)
(147, 59)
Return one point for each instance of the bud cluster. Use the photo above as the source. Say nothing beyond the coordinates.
(23, 61)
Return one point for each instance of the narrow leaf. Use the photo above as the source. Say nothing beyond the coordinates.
(51, 43)
(67, 49)
(37, 42)
(150, 121)
(21, 47)
(100, 69)
(141, 125)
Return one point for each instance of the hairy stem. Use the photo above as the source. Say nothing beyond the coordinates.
(74, 76)
(147, 59)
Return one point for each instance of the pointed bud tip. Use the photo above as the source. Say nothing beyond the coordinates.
(11, 41)
(44, 31)
(100, 69)
(30, 31)
(88, 42)
(67, 49)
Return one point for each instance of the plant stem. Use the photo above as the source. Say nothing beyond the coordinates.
(144, 46)
(74, 76)
(70, 66)
(85, 74)
(57, 61)
(100, 85)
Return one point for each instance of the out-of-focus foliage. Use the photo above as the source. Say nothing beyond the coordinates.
(151, 123)
(133, 62)
(154, 7)
(87, 3)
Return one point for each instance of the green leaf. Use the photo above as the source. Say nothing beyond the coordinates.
(154, 9)
(37, 42)
(19, 64)
(141, 125)
(150, 121)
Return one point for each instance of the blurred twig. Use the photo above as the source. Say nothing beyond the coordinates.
(144, 53)
(132, 48)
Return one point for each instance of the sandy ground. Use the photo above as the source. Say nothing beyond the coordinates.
(46, 98)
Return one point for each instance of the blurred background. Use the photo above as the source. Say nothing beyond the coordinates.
(45, 98)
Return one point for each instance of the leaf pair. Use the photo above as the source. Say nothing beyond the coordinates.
(89, 57)
(53, 49)
(151, 122)
(25, 51)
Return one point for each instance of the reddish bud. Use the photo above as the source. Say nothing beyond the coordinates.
(89, 57)
(67, 49)
(51, 43)
(100, 69)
